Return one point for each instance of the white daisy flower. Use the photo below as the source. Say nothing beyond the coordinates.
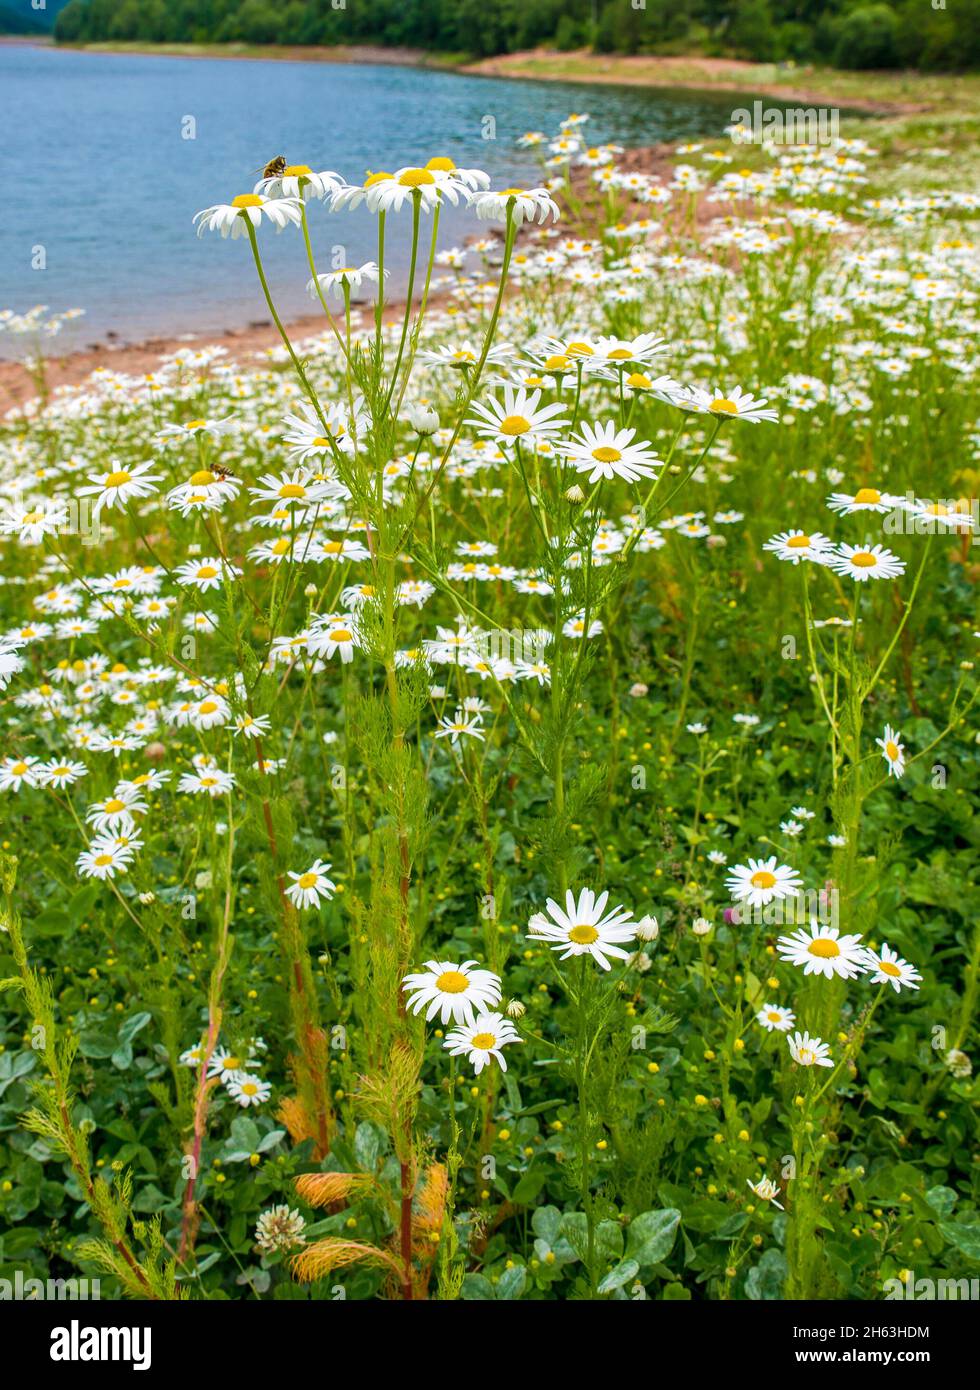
(307, 888)
(760, 881)
(457, 992)
(481, 1040)
(767, 1190)
(795, 546)
(117, 486)
(888, 968)
(734, 403)
(866, 499)
(603, 451)
(246, 212)
(892, 751)
(248, 1090)
(523, 204)
(822, 950)
(809, 1052)
(518, 418)
(584, 928)
(865, 562)
(775, 1017)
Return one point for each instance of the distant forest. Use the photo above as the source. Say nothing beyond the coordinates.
(941, 35)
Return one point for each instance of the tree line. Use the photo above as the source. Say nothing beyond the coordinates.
(930, 34)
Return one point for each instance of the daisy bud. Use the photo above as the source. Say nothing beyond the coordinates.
(575, 493)
(700, 926)
(310, 591)
(638, 690)
(648, 929)
(423, 419)
(156, 752)
(515, 1009)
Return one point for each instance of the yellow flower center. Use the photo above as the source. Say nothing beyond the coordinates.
(619, 355)
(773, 1017)
(117, 479)
(579, 350)
(103, 860)
(514, 425)
(207, 707)
(230, 1063)
(376, 178)
(296, 170)
(863, 560)
(892, 750)
(887, 968)
(729, 407)
(113, 805)
(583, 934)
(19, 769)
(442, 163)
(556, 363)
(307, 880)
(452, 982)
(333, 547)
(638, 381)
(824, 948)
(247, 200)
(340, 634)
(415, 178)
(606, 454)
(762, 878)
(280, 547)
(207, 572)
(292, 490)
(798, 542)
(202, 478)
(867, 494)
(484, 1041)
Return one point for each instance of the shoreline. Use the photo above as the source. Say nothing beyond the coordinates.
(142, 356)
(902, 92)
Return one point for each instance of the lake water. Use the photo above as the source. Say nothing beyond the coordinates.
(108, 186)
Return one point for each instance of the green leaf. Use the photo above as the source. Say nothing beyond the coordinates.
(511, 1283)
(941, 1199)
(575, 1229)
(618, 1276)
(764, 1281)
(966, 1237)
(529, 1185)
(367, 1145)
(476, 1287)
(132, 1025)
(650, 1237)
